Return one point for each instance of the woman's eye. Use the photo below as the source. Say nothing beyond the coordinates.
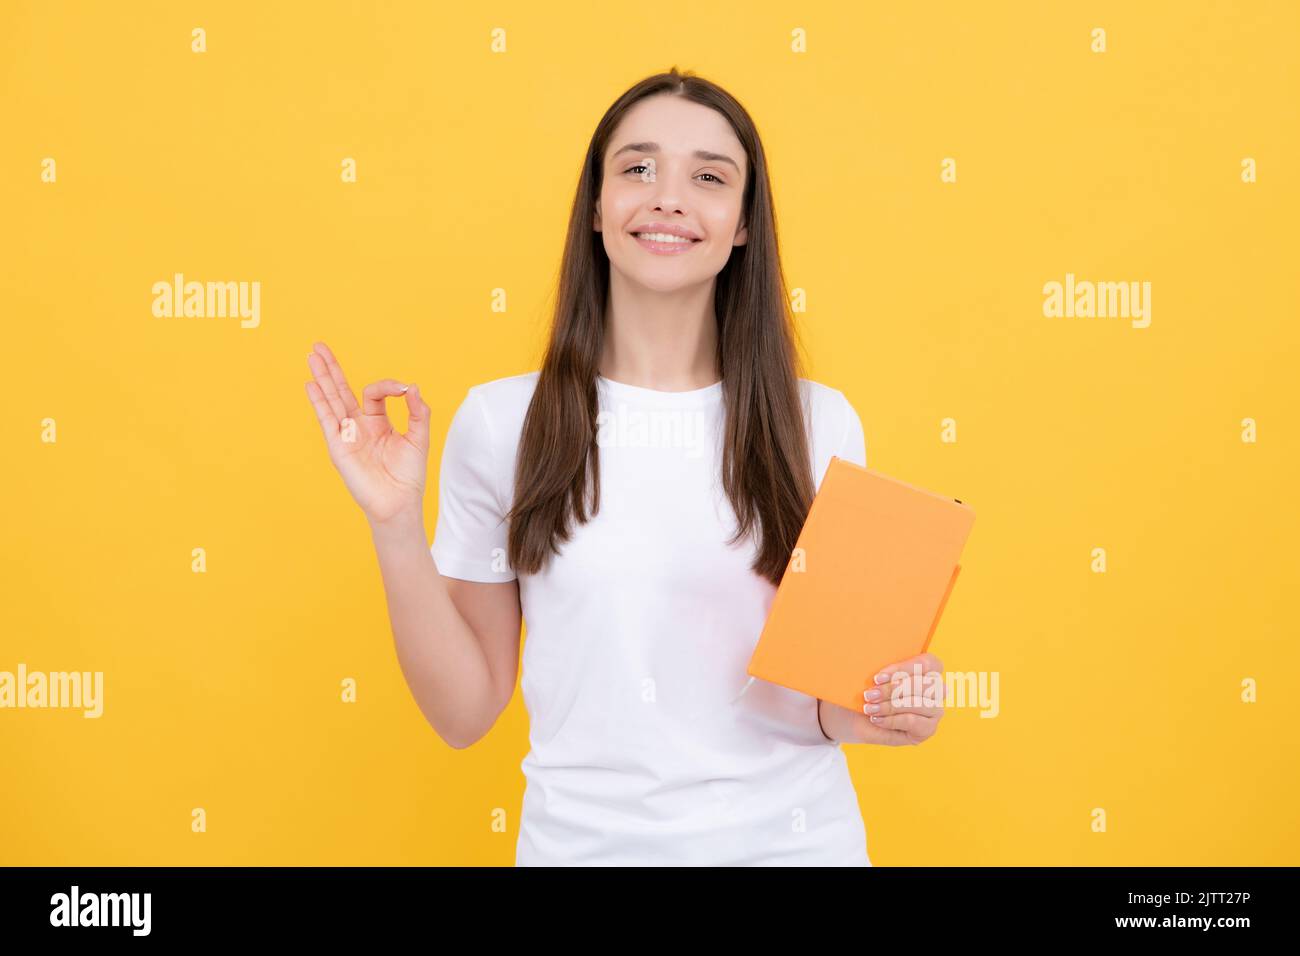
(643, 166)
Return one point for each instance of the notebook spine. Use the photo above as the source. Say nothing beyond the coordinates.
(934, 625)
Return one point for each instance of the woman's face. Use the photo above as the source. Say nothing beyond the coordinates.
(671, 165)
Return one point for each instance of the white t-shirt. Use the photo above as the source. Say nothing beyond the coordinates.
(650, 745)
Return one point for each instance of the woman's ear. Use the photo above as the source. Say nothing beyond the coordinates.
(597, 224)
(742, 236)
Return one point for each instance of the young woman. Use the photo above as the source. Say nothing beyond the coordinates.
(636, 501)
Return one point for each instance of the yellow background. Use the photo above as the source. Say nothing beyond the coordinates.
(1118, 690)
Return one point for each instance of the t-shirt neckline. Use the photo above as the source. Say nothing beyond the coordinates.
(655, 395)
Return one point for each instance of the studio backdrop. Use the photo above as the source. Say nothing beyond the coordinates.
(1046, 249)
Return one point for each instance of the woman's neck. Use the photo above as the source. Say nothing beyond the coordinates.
(662, 341)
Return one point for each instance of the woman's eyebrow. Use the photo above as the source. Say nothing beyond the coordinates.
(654, 148)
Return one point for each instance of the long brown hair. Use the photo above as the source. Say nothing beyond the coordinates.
(766, 471)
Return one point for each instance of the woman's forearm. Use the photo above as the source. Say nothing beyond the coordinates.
(440, 656)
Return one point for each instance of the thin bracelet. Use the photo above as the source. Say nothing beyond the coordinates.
(818, 709)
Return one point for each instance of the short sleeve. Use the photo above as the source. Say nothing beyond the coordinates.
(471, 537)
(853, 442)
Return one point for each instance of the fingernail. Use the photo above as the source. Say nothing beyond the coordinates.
(872, 695)
(405, 387)
(875, 720)
(873, 708)
(881, 678)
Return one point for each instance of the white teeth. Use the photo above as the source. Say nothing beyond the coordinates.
(662, 237)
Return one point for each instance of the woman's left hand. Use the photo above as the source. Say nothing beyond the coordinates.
(909, 706)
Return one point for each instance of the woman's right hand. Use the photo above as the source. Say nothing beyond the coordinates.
(383, 469)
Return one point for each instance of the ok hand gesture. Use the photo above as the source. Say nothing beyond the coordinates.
(384, 469)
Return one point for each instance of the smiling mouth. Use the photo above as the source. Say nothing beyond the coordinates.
(663, 237)
(664, 243)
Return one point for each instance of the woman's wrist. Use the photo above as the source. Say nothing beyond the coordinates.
(403, 523)
(399, 535)
(820, 725)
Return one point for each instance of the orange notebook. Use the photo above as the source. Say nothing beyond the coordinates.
(879, 559)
